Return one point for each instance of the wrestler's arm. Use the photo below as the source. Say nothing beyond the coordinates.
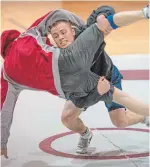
(126, 18)
(108, 22)
(119, 19)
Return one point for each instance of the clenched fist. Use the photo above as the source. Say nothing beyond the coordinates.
(103, 85)
(103, 25)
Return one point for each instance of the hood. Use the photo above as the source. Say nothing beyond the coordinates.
(59, 15)
(7, 38)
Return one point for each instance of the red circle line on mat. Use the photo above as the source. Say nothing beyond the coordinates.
(46, 146)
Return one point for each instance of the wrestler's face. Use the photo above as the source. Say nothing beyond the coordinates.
(63, 34)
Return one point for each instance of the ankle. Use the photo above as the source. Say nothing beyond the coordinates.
(86, 134)
(85, 131)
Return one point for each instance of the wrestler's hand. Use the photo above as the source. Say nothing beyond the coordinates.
(4, 153)
(103, 86)
(103, 25)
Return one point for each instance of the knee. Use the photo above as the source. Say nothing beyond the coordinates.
(120, 123)
(119, 118)
(69, 115)
(66, 118)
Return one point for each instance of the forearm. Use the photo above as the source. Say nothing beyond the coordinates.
(6, 121)
(7, 114)
(118, 20)
(127, 18)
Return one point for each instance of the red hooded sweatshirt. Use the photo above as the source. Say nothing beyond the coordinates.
(25, 62)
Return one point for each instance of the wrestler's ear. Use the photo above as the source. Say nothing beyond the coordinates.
(73, 30)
